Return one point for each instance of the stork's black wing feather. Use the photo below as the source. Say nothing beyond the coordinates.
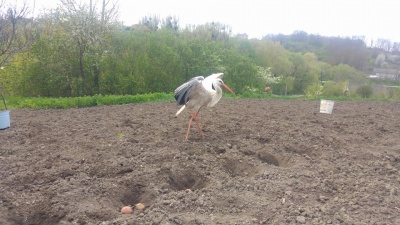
(182, 93)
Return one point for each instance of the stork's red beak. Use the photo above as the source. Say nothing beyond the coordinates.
(227, 88)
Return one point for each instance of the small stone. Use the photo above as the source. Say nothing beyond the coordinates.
(194, 197)
(301, 219)
(288, 193)
(200, 200)
(393, 192)
(323, 198)
(220, 150)
(166, 202)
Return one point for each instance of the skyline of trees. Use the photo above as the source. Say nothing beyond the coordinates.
(80, 49)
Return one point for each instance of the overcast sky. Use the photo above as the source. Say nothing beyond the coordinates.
(345, 18)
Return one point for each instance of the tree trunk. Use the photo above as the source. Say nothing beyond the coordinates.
(286, 88)
(82, 71)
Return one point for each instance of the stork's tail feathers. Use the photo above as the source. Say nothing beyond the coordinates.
(180, 110)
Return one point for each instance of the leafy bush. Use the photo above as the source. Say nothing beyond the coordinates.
(394, 93)
(334, 89)
(313, 91)
(365, 91)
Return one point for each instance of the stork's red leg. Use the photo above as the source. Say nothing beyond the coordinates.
(194, 117)
(198, 124)
(188, 130)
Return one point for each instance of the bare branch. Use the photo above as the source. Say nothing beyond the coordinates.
(16, 30)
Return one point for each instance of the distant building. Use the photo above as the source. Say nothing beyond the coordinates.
(387, 74)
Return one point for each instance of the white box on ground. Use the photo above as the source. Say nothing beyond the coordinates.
(326, 106)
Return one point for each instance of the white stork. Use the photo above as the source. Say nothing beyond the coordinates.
(197, 93)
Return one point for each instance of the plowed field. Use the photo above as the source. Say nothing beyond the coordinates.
(261, 162)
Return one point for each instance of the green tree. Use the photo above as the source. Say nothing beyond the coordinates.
(171, 23)
(88, 28)
(213, 31)
(273, 55)
(151, 22)
(52, 66)
(298, 72)
(352, 52)
(17, 33)
(343, 72)
(240, 72)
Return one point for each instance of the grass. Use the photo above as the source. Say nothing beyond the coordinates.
(85, 101)
(98, 100)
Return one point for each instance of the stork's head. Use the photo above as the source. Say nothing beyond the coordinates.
(221, 83)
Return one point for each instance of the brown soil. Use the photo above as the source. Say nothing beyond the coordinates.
(261, 162)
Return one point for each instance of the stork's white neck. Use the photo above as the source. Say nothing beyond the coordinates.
(216, 94)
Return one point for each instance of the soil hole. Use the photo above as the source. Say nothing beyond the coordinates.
(299, 149)
(263, 140)
(42, 213)
(268, 158)
(132, 194)
(182, 180)
(236, 168)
